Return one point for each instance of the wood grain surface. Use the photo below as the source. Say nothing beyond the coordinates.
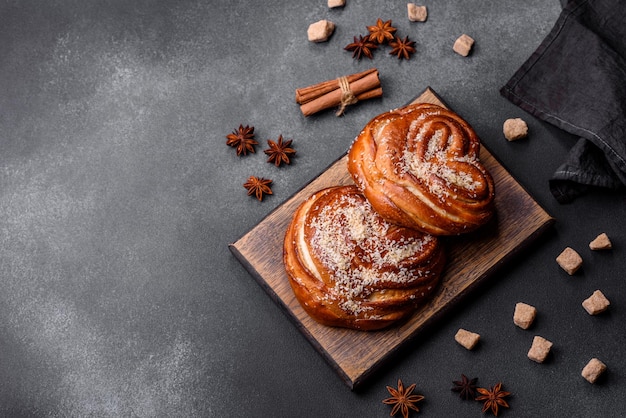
(472, 258)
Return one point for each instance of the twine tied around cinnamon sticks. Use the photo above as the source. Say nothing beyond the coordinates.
(343, 92)
(347, 96)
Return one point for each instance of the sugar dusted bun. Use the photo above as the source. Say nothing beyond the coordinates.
(350, 268)
(418, 166)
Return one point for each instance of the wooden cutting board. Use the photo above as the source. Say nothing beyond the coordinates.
(472, 258)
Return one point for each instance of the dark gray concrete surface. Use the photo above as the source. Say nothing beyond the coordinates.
(119, 197)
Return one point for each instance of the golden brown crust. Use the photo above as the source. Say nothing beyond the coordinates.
(419, 167)
(348, 267)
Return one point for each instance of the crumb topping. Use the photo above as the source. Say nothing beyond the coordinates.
(354, 244)
(423, 169)
(439, 167)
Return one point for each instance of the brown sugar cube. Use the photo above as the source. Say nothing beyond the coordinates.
(466, 338)
(569, 260)
(540, 349)
(417, 13)
(592, 371)
(515, 129)
(463, 45)
(336, 3)
(524, 315)
(601, 242)
(596, 303)
(320, 31)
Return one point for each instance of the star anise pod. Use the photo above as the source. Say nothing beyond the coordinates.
(362, 46)
(493, 398)
(258, 186)
(466, 387)
(279, 151)
(381, 32)
(403, 48)
(402, 399)
(243, 139)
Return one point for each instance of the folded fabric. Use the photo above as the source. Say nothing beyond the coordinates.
(576, 80)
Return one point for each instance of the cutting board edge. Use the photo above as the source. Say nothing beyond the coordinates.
(292, 317)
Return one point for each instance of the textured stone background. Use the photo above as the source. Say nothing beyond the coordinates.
(118, 198)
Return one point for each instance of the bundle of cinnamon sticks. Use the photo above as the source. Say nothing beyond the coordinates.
(341, 92)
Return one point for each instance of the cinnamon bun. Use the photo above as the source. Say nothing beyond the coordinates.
(419, 167)
(348, 267)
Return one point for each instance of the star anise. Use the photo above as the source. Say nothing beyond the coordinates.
(362, 46)
(258, 186)
(466, 387)
(279, 151)
(403, 48)
(493, 398)
(402, 399)
(243, 139)
(381, 32)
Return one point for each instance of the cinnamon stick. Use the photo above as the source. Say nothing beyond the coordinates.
(306, 94)
(362, 86)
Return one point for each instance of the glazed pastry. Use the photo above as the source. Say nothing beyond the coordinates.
(419, 167)
(350, 268)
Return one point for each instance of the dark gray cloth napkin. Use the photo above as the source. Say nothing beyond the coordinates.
(576, 80)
